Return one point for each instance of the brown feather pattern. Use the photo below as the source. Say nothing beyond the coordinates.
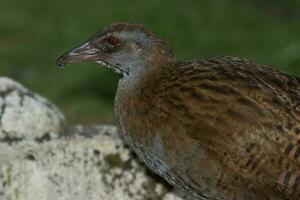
(228, 126)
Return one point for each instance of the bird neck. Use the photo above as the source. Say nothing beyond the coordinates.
(137, 94)
(147, 75)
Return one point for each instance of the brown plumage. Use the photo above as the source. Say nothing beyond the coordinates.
(220, 128)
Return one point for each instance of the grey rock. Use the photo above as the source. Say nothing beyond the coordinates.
(41, 159)
(88, 163)
(25, 115)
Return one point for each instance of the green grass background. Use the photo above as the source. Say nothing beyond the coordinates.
(33, 33)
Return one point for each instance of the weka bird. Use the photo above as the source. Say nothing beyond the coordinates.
(218, 128)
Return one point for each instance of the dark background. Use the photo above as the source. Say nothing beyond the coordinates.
(33, 33)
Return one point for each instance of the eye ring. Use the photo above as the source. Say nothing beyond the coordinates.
(113, 41)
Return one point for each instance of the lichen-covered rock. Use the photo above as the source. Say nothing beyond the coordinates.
(86, 163)
(42, 159)
(25, 115)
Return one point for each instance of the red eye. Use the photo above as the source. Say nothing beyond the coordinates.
(112, 41)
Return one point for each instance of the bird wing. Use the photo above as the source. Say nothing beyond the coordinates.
(246, 115)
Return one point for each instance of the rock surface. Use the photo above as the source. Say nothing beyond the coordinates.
(25, 115)
(41, 159)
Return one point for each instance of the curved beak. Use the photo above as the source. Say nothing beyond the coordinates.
(85, 52)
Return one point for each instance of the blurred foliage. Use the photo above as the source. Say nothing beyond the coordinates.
(33, 33)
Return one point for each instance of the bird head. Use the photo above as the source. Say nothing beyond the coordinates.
(124, 48)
